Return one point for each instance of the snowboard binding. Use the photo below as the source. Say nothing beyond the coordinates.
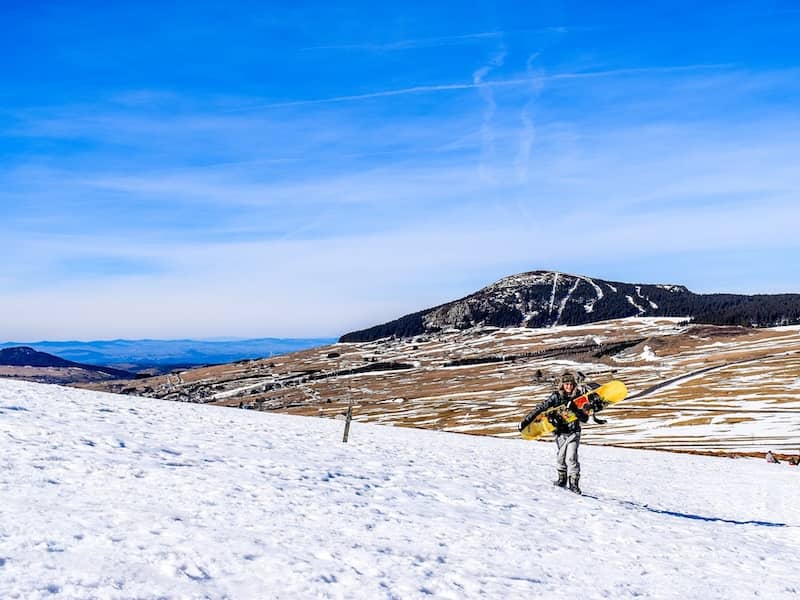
(596, 405)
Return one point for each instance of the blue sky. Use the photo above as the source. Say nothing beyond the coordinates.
(254, 169)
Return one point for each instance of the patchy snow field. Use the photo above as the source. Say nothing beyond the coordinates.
(109, 496)
(693, 388)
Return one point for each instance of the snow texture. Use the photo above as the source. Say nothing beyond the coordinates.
(632, 302)
(564, 301)
(589, 306)
(553, 295)
(109, 496)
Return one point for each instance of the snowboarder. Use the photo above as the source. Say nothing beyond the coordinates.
(567, 435)
(771, 457)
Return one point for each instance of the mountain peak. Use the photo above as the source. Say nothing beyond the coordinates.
(549, 298)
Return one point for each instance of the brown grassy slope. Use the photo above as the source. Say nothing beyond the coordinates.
(729, 409)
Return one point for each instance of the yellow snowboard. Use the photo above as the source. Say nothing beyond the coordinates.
(610, 393)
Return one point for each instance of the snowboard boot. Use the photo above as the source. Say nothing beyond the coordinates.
(562, 479)
(573, 484)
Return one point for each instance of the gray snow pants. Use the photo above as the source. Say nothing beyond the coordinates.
(567, 457)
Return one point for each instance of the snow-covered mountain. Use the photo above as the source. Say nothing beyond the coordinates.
(107, 496)
(550, 298)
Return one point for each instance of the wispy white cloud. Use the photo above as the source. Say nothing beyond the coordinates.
(528, 130)
(429, 42)
(291, 287)
(480, 82)
(487, 133)
(438, 41)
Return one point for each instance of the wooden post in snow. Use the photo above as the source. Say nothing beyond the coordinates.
(347, 420)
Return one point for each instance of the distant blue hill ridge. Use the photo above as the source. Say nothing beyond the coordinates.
(171, 352)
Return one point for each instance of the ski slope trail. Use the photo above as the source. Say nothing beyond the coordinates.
(108, 496)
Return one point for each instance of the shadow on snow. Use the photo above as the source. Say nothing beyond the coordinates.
(682, 515)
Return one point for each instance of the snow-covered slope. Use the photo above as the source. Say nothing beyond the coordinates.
(109, 496)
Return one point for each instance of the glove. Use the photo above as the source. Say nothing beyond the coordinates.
(529, 418)
(595, 402)
(556, 420)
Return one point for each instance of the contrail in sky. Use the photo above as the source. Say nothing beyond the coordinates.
(449, 87)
